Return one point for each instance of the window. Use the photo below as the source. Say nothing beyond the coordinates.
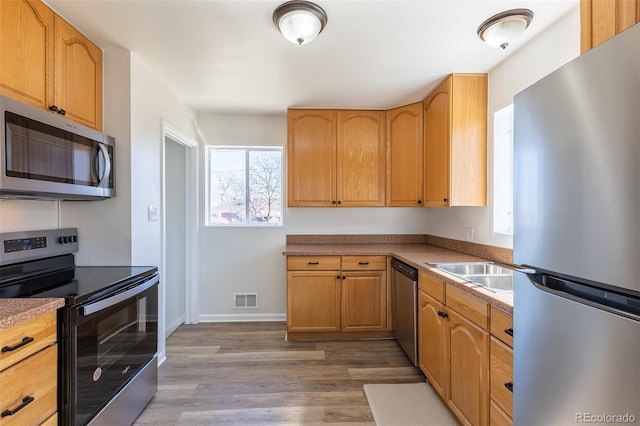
(244, 186)
(503, 170)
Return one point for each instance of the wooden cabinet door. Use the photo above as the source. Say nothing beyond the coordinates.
(313, 300)
(77, 75)
(26, 43)
(437, 145)
(364, 301)
(468, 140)
(360, 158)
(602, 19)
(468, 371)
(405, 156)
(311, 153)
(433, 354)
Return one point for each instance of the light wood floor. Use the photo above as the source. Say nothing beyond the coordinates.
(248, 374)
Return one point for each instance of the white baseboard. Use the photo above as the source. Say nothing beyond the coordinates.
(242, 317)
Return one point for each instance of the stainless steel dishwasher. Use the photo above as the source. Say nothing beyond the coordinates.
(405, 293)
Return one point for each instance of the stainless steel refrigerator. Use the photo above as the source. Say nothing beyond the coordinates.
(577, 230)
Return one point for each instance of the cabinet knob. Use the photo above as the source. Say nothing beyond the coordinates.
(445, 199)
(53, 108)
(334, 202)
(509, 331)
(62, 112)
(419, 201)
(509, 385)
(442, 314)
(339, 202)
(344, 278)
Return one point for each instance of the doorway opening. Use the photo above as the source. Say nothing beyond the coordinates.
(179, 230)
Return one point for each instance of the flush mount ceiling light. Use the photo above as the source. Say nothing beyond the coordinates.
(503, 28)
(300, 21)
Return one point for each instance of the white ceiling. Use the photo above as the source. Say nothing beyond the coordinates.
(228, 56)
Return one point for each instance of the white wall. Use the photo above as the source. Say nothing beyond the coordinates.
(152, 102)
(250, 259)
(104, 227)
(28, 215)
(556, 46)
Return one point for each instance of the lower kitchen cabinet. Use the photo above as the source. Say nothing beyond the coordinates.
(501, 371)
(28, 372)
(364, 301)
(454, 349)
(336, 294)
(433, 350)
(469, 370)
(313, 300)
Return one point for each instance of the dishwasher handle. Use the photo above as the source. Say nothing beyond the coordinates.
(406, 270)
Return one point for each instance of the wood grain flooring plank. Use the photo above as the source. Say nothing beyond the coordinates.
(247, 373)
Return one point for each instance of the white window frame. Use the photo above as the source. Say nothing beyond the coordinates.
(503, 170)
(207, 194)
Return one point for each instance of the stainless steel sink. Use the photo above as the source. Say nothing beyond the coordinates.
(474, 268)
(489, 275)
(497, 283)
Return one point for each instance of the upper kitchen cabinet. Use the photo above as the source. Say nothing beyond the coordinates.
(455, 125)
(47, 63)
(77, 76)
(335, 158)
(405, 156)
(360, 158)
(311, 153)
(602, 19)
(26, 51)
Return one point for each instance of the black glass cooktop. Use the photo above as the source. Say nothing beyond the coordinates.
(57, 277)
(92, 282)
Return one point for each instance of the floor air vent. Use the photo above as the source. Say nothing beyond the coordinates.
(246, 300)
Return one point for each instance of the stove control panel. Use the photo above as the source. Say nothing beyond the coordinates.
(26, 245)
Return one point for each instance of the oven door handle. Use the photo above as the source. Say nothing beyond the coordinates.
(120, 297)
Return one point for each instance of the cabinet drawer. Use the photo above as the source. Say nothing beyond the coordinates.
(432, 286)
(502, 326)
(472, 308)
(313, 263)
(36, 334)
(35, 377)
(501, 366)
(498, 417)
(364, 263)
(51, 421)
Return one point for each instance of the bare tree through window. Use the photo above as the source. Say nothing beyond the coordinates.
(245, 186)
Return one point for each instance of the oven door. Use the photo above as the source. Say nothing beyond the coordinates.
(113, 338)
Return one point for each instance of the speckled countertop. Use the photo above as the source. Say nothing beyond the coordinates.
(417, 255)
(16, 311)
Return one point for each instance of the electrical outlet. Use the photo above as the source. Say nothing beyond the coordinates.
(152, 213)
(468, 234)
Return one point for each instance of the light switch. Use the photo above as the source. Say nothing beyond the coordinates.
(153, 213)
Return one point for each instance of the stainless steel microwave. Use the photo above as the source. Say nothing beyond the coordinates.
(45, 155)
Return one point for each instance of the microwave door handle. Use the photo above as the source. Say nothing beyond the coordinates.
(117, 298)
(107, 165)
